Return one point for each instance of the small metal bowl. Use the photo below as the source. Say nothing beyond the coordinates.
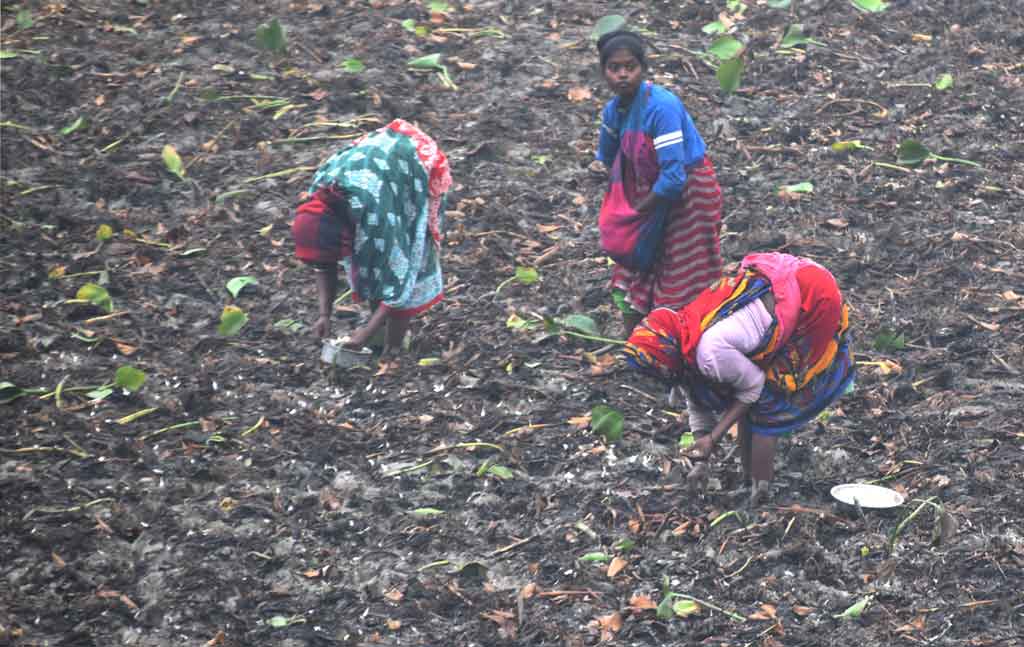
(335, 353)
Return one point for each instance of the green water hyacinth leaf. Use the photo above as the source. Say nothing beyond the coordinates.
(582, 323)
(501, 472)
(847, 146)
(595, 557)
(271, 37)
(607, 423)
(352, 65)
(129, 378)
(795, 36)
(713, 28)
(729, 74)
(607, 24)
(911, 152)
(24, 19)
(237, 284)
(664, 611)
(515, 322)
(9, 392)
(800, 187)
(232, 319)
(527, 275)
(855, 610)
(173, 161)
(427, 512)
(684, 608)
(944, 82)
(725, 48)
(73, 126)
(686, 440)
(104, 232)
(95, 295)
(870, 6)
(428, 62)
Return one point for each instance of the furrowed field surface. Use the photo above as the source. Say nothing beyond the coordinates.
(457, 495)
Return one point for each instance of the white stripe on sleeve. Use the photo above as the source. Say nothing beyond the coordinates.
(674, 137)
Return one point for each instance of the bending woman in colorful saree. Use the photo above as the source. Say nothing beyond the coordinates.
(766, 350)
(377, 207)
(661, 214)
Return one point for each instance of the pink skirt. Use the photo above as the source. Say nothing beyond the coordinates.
(691, 256)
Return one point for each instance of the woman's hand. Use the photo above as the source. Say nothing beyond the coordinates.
(701, 448)
(322, 327)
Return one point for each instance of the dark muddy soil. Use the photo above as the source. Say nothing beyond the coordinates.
(242, 496)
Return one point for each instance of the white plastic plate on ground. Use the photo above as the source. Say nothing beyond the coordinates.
(867, 496)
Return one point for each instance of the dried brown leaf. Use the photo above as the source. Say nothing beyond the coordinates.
(640, 602)
(579, 93)
(802, 611)
(616, 566)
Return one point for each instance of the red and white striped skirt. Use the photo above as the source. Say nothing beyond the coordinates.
(691, 255)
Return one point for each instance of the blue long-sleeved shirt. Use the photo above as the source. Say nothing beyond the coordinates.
(666, 121)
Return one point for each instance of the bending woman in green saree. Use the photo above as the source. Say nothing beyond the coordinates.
(377, 207)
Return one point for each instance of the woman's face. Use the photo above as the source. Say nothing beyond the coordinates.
(623, 73)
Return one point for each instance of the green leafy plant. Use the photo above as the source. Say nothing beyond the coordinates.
(73, 126)
(432, 62)
(595, 558)
(847, 146)
(104, 232)
(497, 471)
(96, 295)
(870, 6)
(799, 187)
(232, 319)
(682, 605)
(795, 37)
(271, 37)
(607, 423)
(725, 48)
(524, 275)
(9, 392)
(912, 153)
(352, 65)
(173, 161)
(24, 19)
(944, 82)
(607, 24)
(712, 28)
(686, 440)
(887, 341)
(855, 610)
(729, 74)
(427, 512)
(237, 284)
(129, 378)
(515, 322)
(289, 325)
(579, 322)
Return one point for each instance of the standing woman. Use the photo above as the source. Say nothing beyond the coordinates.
(767, 349)
(661, 215)
(377, 207)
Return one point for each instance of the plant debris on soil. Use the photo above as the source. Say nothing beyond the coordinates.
(229, 491)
